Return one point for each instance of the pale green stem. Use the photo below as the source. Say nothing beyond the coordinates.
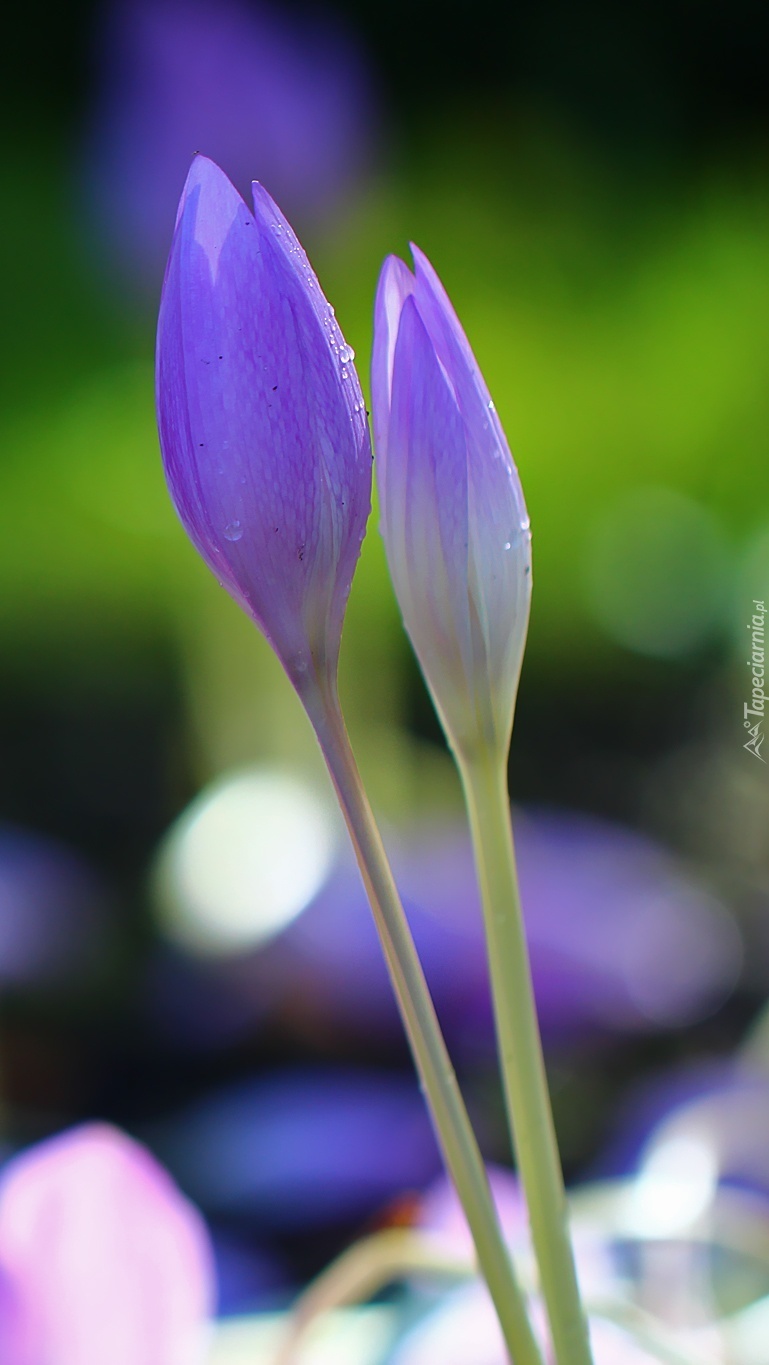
(454, 1132)
(523, 1073)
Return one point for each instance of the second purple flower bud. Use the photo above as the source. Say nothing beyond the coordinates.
(453, 515)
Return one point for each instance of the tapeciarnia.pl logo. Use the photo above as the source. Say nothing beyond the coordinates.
(753, 711)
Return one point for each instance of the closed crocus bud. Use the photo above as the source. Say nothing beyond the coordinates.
(262, 423)
(453, 515)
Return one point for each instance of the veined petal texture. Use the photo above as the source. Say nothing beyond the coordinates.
(262, 422)
(453, 513)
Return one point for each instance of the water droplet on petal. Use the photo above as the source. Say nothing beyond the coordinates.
(507, 544)
(233, 530)
(491, 406)
(346, 354)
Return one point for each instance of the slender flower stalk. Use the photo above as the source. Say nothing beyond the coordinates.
(460, 1150)
(484, 780)
(267, 456)
(459, 549)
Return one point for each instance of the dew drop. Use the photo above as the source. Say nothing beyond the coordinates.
(491, 406)
(346, 354)
(507, 544)
(233, 530)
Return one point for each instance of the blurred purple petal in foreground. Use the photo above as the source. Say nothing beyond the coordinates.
(101, 1257)
(53, 921)
(301, 1149)
(278, 96)
(717, 1109)
(465, 1328)
(622, 936)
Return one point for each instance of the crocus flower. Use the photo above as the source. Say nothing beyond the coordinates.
(262, 422)
(453, 515)
(101, 1257)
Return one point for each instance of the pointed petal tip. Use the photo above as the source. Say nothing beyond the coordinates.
(205, 171)
(269, 214)
(261, 194)
(393, 265)
(425, 271)
(209, 180)
(421, 259)
(396, 283)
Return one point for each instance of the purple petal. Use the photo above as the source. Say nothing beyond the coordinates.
(465, 594)
(622, 936)
(53, 918)
(103, 1257)
(267, 92)
(261, 419)
(395, 284)
(500, 560)
(425, 497)
(306, 1148)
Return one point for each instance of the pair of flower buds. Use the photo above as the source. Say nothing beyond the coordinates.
(267, 453)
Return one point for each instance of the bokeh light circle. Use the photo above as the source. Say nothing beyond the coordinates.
(250, 852)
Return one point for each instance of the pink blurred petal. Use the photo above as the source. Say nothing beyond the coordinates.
(102, 1257)
(441, 1214)
(464, 1328)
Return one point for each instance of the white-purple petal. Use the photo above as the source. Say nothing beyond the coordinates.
(465, 600)
(464, 1327)
(395, 284)
(426, 477)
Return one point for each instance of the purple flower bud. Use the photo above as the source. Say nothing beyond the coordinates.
(453, 515)
(262, 422)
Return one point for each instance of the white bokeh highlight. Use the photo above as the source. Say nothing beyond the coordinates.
(243, 860)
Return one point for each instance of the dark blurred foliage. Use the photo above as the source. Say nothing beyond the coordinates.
(676, 80)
